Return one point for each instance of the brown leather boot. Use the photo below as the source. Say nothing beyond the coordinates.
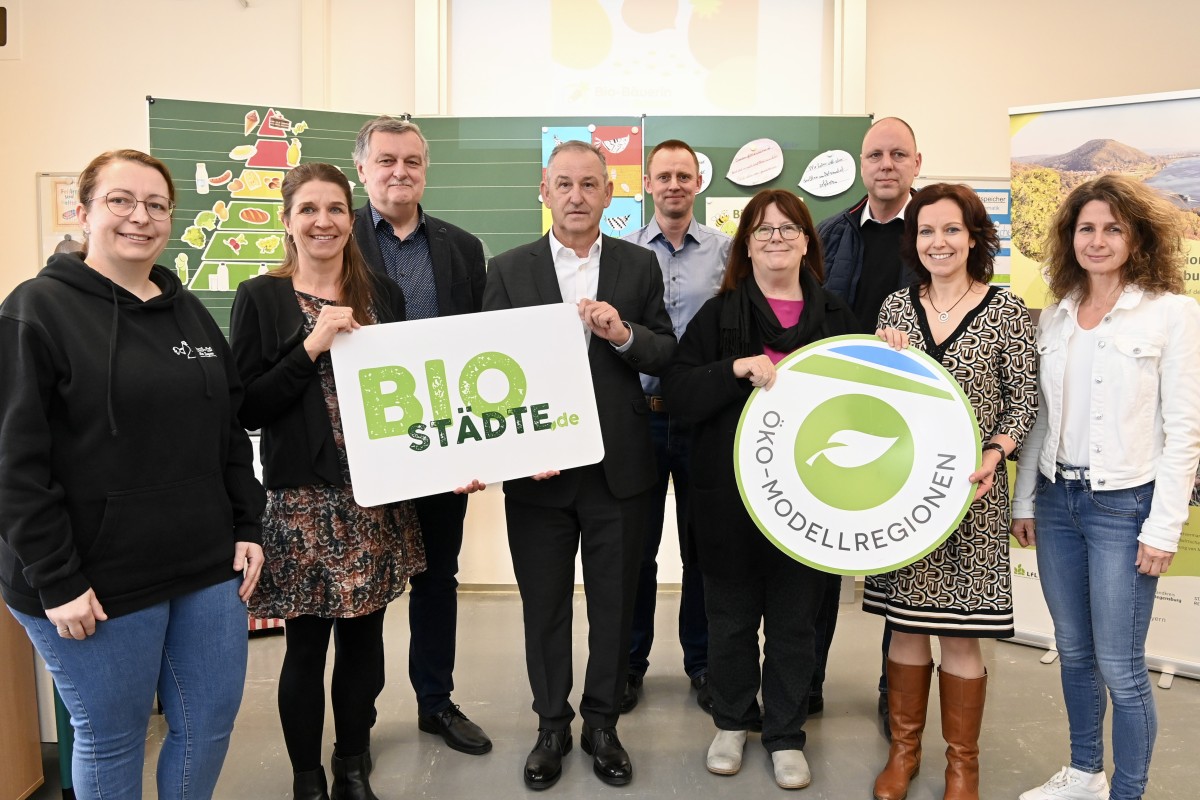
(908, 699)
(962, 717)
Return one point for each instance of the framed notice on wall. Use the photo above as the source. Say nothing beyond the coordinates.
(59, 230)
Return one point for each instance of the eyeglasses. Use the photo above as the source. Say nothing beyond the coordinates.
(763, 233)
(122, 204)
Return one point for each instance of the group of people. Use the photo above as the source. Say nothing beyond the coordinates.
(133, 539)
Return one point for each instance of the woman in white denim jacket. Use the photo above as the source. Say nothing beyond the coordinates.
(1108, 469)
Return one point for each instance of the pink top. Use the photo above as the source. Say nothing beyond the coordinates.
(788, 314)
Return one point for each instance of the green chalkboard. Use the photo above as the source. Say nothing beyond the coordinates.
(232, 243)
(484, 174)
(800, 138)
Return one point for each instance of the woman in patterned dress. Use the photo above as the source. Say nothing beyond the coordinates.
(961, 591)
(330, 563)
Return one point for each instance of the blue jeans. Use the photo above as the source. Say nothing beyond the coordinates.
(1086, 548)
(672, 442)
(191, 651)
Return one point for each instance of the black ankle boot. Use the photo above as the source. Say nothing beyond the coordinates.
(350, 780)
(310, 785)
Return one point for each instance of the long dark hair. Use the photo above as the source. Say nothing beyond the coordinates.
(791, 207)
(357, 289)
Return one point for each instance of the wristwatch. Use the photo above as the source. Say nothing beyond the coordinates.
(999, 448)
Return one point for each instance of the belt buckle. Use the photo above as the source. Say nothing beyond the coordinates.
(1073, 473)
(655, 403)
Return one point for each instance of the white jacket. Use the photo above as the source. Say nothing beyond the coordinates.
(1145, 406)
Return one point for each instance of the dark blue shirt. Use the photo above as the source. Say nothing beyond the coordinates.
(408, 263)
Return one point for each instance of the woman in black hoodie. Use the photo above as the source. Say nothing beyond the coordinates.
(130, 536)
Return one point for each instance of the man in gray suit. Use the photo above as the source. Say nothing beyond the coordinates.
(599, 509)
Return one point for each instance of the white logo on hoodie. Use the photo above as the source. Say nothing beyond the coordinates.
(184, 349)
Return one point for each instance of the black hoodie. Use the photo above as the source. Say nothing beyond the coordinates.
(122, 464)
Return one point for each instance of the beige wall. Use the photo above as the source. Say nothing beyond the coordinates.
(87, 65)
(953, 68)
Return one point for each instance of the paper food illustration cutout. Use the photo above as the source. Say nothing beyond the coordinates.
(758, 161)
(829, 174)
(613, 145)
(255, 216)
(242, 234)
(275, 125)
(706, 172)
(618, 223)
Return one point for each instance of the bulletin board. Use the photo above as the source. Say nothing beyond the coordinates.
(229, 160)
(58, 227)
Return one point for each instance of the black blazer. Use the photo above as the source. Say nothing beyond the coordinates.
(459, 269)
(700, 390)
(283, 392)
(630, 281)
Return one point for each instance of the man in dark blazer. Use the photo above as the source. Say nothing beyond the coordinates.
(599, 509)
(440, 269)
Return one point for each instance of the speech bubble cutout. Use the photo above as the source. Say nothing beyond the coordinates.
(758, 161)
(829, 174)
(706, 172)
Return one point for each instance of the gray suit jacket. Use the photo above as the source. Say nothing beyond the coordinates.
(631, 282)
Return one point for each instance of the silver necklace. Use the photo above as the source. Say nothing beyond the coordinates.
(945, 315)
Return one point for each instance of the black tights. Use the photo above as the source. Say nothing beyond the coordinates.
(357, 659)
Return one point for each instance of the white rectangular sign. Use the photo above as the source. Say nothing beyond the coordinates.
(430, 405)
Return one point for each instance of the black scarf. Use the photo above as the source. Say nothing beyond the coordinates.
(747, 310)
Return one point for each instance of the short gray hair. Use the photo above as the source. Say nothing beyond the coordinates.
(580, 147)
(385, 124)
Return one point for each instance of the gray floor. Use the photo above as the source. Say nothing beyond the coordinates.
(1023, 743)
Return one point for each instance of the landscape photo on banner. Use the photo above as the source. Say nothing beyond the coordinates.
(1152, 138)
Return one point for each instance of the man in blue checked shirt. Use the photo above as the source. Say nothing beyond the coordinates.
(692, 258)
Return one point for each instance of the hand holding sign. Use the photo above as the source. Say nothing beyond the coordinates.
(759, 370)
(604, 321)
(330, 322)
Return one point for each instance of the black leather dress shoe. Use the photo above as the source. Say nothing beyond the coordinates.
(703, 692)
(610, 762)
(543, 767)
(459, 732)
(630, 697)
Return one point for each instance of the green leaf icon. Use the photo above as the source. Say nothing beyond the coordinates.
(867, 447)
(851, 448)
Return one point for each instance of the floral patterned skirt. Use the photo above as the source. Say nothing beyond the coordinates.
(330, 557)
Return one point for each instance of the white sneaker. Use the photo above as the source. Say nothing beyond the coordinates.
(725, 752)
(1071, 784)
(791, 769)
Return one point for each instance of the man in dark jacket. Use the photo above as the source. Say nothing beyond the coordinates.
(861, 244)
(598, 510)
(440, 268)
(863, 266)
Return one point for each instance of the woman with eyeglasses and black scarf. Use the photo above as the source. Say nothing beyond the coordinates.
(131, 512)
(769, 304)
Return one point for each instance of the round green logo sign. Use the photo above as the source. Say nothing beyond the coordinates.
(856, 461)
